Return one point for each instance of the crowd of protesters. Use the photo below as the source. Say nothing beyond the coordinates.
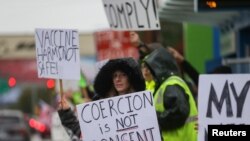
(159, 70)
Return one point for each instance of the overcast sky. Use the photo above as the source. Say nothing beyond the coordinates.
(23, 16)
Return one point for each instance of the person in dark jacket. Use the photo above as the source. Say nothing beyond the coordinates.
(184, 65)
(175, 105)
(116, 77)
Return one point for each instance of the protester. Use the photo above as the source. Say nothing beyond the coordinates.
(116, 77)
(175, 105)
(183, 65)
(149, 78)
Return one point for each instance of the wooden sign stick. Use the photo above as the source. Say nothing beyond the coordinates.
(61, 90)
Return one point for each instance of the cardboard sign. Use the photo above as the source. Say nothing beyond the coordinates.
(132, 14)
(57, 53)
(127, 117)
(222, 100)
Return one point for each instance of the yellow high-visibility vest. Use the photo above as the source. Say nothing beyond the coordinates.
(187, 132)
(150, 85)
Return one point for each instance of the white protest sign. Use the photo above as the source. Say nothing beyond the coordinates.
(57, 53)
(132, 14)
(130, 117)
(223, 99)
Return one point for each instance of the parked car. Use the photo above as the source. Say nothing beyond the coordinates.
(13, 126)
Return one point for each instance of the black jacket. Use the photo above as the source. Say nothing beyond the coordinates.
(70, 121)
(176, 102)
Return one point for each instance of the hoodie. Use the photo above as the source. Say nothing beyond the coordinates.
(176, 102)
(103, 82)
